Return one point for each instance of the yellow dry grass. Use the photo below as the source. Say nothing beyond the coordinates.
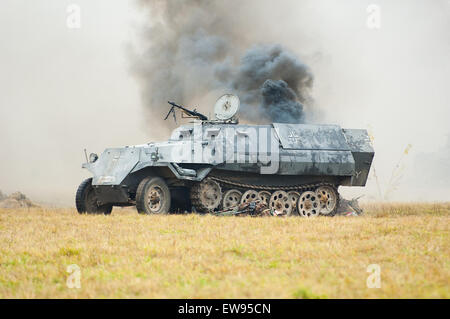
(126, 255)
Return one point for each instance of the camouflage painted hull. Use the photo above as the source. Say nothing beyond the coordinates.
(271, 155)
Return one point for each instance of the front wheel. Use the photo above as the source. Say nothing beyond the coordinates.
(153, 196)
(87, 202)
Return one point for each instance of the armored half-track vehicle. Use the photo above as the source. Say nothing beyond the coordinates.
(212, 165)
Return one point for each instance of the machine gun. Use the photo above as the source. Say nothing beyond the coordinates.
(189, 113)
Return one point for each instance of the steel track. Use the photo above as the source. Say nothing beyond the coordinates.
(225, 183)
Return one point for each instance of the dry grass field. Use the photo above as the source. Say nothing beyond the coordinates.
(126, 255)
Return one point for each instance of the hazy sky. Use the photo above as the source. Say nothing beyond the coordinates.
(63, 89)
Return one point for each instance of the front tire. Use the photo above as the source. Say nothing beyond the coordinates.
(86, 200)
(153, 196)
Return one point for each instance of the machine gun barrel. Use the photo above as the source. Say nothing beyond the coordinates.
(193, 113)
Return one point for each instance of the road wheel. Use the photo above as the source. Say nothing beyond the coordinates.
(231, 198)
(206, 196)
(87, 201)
(308, 204)
(280, 203)
(249, 196)
(264, 197)
(329, 200)
(153, 196)
(293, 197)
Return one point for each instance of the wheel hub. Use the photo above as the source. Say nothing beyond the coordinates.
(155, 198)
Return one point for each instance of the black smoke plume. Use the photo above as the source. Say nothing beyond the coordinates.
(273, 84)
(281, 102)
(194, 47)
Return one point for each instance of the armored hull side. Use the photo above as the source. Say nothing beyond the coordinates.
(215, 158)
